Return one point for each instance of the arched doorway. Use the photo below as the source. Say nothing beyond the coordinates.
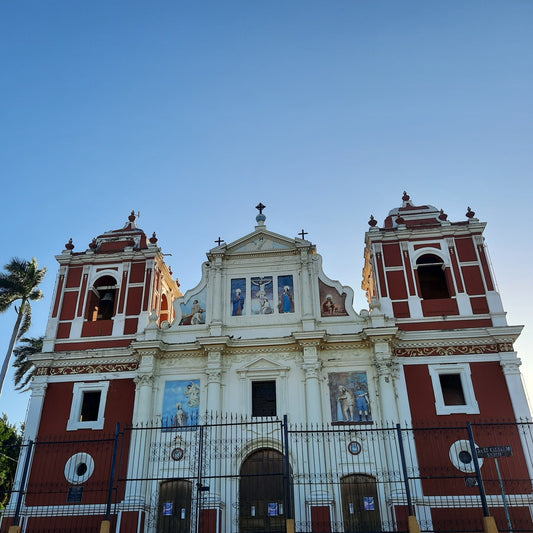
(360, 505)
(174, 509)
(263, 492)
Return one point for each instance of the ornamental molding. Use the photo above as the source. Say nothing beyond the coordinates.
(93, 369)
(436, 349)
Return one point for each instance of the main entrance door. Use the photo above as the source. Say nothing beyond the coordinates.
(174, 511)
(262, 492)
(360, 506)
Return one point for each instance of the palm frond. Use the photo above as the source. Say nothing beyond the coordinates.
(35, 295)
(24, 369)
(26, 321)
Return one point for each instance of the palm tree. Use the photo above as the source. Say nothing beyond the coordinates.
(20, 282)
(24, 368)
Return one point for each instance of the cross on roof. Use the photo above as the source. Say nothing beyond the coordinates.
(303, 233)
(219, 241)
(260, 207)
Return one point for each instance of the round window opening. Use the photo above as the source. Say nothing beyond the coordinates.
(465, 457)
(79, 468)
(460, 455)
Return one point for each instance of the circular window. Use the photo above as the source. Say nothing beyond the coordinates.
(79, 468)
(355, 447)
(461, 456)
(177, 454)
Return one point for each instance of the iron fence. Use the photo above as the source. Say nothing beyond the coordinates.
(229, 474)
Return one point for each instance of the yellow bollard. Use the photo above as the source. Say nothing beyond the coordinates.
(105, 527)
(412, 524)
(290, 525)
(489, 525)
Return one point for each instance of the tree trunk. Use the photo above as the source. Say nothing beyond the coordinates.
(5, 364)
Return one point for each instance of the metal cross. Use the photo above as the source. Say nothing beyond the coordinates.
(303, 234)
(219, 241)
(260, 206)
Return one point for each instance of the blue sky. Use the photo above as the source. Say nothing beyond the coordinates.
(325, 111)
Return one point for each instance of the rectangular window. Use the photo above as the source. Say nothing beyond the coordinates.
(263, 398)
(88, 405)
(453, 389)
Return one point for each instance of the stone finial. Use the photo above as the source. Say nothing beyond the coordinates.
(69, 246)
(93, 244)
(372, 222)
(153, 239)
(443, 216)
(405, 196)
(470, 213)
(132, 217)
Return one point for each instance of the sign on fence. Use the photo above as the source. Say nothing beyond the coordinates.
(494, 451)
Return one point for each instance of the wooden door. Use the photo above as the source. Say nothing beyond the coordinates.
(360, 506)
(262, 493)
(174, 509)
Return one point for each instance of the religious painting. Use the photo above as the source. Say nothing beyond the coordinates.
(332, 303)
(193, 312)
(262, 292)
(286, 294)
(238, 296)
(348, 394)
(181, 404)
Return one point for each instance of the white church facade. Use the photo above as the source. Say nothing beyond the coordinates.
(260, 400)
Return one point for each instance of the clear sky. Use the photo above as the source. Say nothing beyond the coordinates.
(325, 111)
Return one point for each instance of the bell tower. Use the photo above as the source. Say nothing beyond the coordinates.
(106, 294)
(430, 273)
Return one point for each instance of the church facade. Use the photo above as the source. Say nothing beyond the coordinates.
(260, 400)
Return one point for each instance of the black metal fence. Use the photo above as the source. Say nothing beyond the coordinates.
(228, 474)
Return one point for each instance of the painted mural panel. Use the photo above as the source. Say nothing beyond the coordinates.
(262, 291)
(181, 403)
(286, 294)
(332, 303)
(238, 296)
(348, 393)
(193, 312)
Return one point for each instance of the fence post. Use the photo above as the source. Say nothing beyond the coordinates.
(412, 521)
(105, 526)
(290, 518)
(489, 525)
(22, 484)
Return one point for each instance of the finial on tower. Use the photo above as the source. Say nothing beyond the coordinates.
(470, 213)
(260, 218)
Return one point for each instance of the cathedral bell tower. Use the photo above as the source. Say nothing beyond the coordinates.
(106, 294)
(430, 273)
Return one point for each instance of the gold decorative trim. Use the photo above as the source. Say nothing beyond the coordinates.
(90, 369)
(467, 349)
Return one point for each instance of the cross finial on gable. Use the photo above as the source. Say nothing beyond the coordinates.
(303, 234)
(260, 207)
(219, 241)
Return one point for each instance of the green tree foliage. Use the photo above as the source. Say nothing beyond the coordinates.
(10, 443)
(19, 283)
(24, 368)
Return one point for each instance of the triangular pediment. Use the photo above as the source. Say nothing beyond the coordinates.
(262, 364)
(260, 241)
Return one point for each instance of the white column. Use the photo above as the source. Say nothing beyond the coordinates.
(510, 364)
(307, 304)
(35, 407)
(31, 428)
(213, 372)
(313, 397)
(216, 299)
